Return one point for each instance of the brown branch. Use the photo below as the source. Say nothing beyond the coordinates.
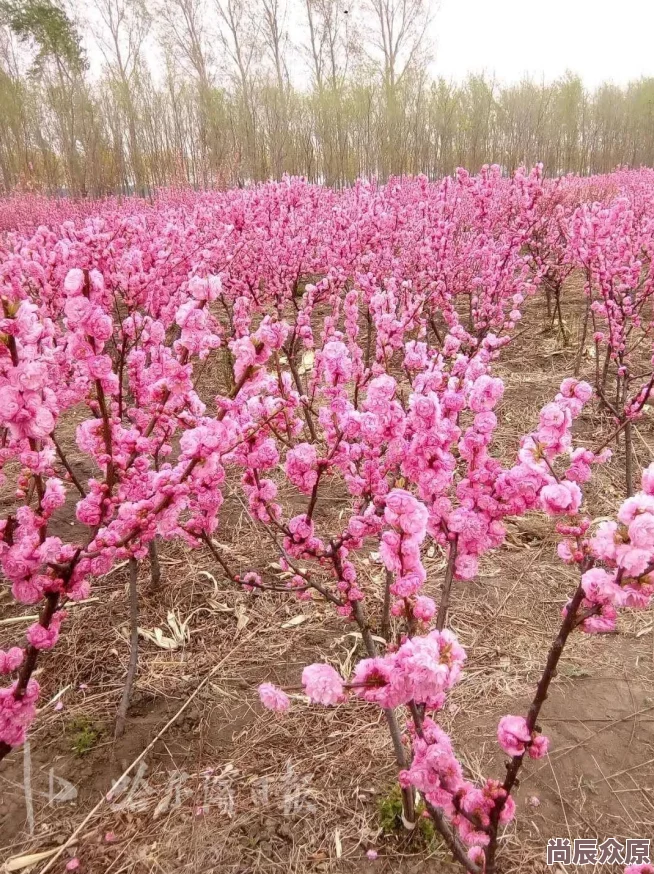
(441, 616)
(301, 392)
(121, 716)
(408, 800)
(155, 567)
(69, 469)
(540, 696)
(385, 628)
(314, 492)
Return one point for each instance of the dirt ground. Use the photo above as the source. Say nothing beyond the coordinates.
(218, 785)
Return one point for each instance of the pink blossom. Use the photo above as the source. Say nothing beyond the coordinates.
(301, 527)
(74, 281)
(513, 735)
(77, 309)
(575, 388)
(477, 855)
(378, 681)
(30, 376)
(407, 585)
(648, 480)
(426, 674)
(600, 587)
(605, 541)
(45, 638)
(336, 361)
(273, 698)
(466, 566)
(561, 498)
(406, 513)
(98, 325)
(380, 403)
(634, 506)
(553, 426)
(538, 747)
(27, 591)
(641, 532)
(565, 552)
(54, 496)
(485, 422)
(424, 608)
(634, 561)
(322, 684)
(301, 466)
(10, 403)
(485, 394)
(17, 713)
(11, 659)
(601, 622)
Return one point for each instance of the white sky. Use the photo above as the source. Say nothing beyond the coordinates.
(598, 39)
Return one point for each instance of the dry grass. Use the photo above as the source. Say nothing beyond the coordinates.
(229, 788)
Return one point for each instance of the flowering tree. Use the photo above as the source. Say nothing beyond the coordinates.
(135, 401)
(614, 244)
(424, 660)
(356, 337)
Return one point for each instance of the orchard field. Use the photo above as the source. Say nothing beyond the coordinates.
(327, 527)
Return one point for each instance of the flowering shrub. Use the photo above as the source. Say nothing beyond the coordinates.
(613, 244)
(465, 515)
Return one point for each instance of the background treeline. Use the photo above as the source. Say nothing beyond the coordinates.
(222, 92)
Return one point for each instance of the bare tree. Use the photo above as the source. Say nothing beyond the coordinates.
(275, 39)
(331, 46)
(397, 35)
(126, 24)
(240, 37)
(187, 36)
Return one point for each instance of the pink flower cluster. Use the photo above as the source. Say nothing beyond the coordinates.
(616, 559)
(422, 670)
(558, 494)
(11, 659)
(140, 399)
(322, 684)
(515, 738)
(302, 466)
(273, 698)
(16, 714)
(400, 546)
(437, 774)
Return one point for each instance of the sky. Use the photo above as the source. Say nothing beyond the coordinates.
(598, 39)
